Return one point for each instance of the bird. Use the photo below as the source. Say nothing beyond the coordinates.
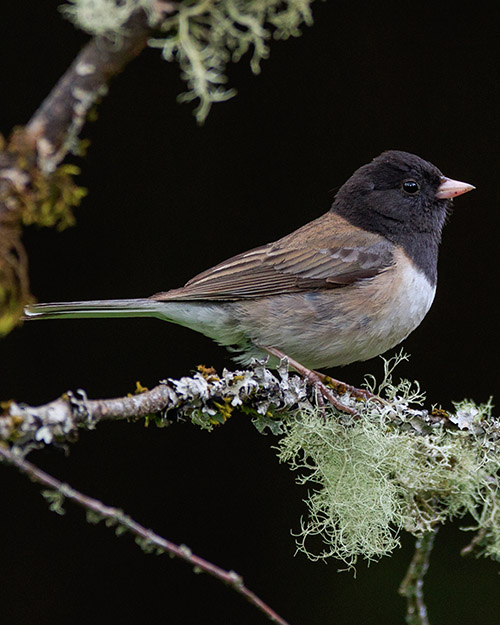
(345, 287)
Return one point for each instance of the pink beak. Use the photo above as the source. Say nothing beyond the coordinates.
(451, 188)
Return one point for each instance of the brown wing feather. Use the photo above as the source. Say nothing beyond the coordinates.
(327, 253)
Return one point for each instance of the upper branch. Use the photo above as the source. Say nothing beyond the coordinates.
(62, 114)
(29, 160)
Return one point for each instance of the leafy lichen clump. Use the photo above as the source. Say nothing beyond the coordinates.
(372, 477)
(201, 35)
(50, 199)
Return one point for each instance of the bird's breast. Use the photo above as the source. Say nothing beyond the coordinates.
(394, 303)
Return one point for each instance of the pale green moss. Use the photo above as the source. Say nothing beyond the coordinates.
(202, 35)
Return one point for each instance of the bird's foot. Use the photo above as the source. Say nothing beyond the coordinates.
(328, 388)
(341, 388)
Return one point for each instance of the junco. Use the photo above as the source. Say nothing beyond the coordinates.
(345, 287)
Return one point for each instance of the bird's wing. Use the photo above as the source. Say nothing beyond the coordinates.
(331, 256)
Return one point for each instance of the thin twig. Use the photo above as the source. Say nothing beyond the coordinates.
(475, 546)
(412, 586)
(146, 538)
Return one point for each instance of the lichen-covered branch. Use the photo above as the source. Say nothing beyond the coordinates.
(34, 186)
(205, 398)
(150, 542)
(381, 469)
(389, 467)
(54, 128)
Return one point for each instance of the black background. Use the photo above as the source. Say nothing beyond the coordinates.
(168, 199)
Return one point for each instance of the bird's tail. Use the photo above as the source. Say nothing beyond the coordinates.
(97, 308)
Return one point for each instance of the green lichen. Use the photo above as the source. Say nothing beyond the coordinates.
(56, 501)
(370, 477)
(11, 308)
(50, 198)
(203, 36)
(44, 198)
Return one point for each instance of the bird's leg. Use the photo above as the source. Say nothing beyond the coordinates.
(325, 382)
(314, 378)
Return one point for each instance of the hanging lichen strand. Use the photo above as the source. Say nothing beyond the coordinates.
(385, 470)
(203, 36)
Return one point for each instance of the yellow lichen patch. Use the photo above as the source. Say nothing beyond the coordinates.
(139, 388)
(225, 411)
(209, 373)
(440, 412)
(5, 405)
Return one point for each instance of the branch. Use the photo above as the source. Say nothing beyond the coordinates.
(412, 586)
(55, 125)
(205, 398)
(145, 538)
(380, 469)
(208, 399)
(29, 178)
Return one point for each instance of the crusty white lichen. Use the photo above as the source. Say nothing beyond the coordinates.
(201, 35)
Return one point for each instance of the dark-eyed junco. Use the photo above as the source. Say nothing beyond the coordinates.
(345, 287)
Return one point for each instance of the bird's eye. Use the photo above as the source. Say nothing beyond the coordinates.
(411, 187)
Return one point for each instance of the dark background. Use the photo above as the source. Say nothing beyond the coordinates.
(168, 199)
